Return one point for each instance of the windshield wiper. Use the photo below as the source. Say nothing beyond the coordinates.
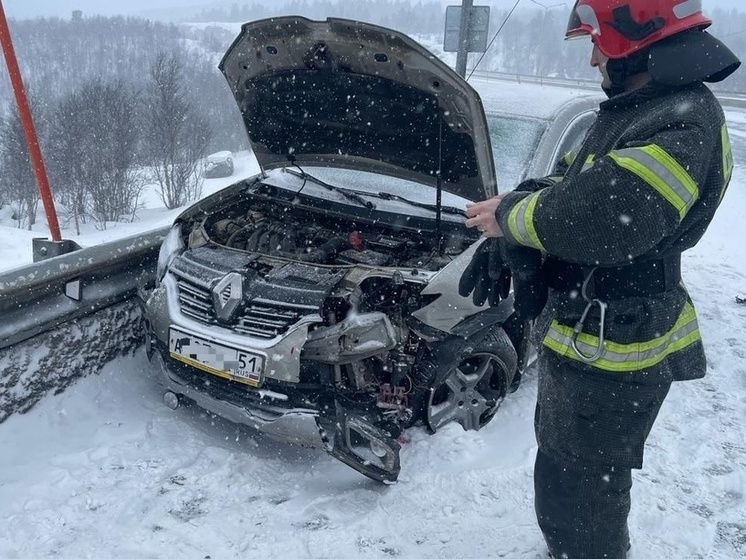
(433, 207)
(346, 192)
(354, 195)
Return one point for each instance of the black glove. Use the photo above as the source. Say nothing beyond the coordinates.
(486, 277)
(530, 289)
(534, 185)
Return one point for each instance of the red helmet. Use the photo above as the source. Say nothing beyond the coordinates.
(622, 27)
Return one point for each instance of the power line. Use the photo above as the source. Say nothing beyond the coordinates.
(493, 38)
(547, 8)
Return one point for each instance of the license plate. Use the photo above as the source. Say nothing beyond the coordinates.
(217, 359)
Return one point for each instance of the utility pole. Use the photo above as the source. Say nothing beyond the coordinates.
(463, 37)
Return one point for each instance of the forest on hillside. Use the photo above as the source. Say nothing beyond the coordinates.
(149, 94)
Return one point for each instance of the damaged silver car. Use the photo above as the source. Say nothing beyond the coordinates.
(317, 301)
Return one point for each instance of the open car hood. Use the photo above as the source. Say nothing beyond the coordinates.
(342, 93)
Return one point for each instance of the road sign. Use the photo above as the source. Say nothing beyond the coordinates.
(479, 24)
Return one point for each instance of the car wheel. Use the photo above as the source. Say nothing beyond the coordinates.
(470, 389)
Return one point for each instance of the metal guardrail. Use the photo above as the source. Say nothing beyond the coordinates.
(38, 297)
(727, 99)
(731, 100)
(578, 83)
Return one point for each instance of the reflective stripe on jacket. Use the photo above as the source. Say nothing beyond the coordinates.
(625, 358)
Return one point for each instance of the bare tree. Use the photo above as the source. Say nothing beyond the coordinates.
(177, 134)
(114, 183)
(94, 145)
(67, 156)
(17, 182)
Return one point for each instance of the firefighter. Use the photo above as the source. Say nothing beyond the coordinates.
(596, 254)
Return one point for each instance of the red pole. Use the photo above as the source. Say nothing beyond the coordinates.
(28, 126)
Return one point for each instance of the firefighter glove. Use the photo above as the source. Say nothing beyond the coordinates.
(530, 289)
(487, 276)
(534, 185)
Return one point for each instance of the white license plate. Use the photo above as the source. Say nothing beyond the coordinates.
(217, 359)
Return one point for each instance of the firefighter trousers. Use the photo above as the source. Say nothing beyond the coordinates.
(591, 431)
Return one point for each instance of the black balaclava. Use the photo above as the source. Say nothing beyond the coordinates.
(619, 69)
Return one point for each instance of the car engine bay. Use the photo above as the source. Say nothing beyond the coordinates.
(318, 236)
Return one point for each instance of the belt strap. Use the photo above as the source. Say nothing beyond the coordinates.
(639, 279)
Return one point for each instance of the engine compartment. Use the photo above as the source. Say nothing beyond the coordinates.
(319, 236)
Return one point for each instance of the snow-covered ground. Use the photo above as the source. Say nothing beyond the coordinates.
(104, 470)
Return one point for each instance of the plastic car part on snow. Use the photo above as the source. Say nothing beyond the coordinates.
(360, 444)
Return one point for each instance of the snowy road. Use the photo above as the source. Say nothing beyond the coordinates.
(104, 470)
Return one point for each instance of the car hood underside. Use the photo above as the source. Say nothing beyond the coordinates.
(349, 94)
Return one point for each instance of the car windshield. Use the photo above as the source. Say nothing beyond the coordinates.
(363, 181)
(514, 141)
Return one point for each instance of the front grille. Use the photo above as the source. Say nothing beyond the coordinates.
(264, 320)
(195, 300)
(267, 320)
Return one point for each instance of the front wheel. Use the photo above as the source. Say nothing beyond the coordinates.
(471, 382)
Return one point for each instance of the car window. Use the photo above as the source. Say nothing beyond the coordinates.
(574, 135)
(514, 141)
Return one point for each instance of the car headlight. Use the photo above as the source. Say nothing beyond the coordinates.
(172, 246)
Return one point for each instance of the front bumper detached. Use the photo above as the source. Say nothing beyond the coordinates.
(347, 436)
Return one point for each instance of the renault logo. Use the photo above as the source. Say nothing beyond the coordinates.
(227, 294)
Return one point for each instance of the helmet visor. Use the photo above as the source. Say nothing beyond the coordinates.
(583, 21)
(687, 8)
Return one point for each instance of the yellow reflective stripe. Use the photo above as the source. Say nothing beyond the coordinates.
(568, 158)
(589, 161)
(727, 159)
(661, 171)
(521, 222)
(626, 358)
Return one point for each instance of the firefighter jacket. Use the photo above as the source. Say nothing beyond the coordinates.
(644, 185)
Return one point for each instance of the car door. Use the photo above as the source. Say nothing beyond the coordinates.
(573, 137)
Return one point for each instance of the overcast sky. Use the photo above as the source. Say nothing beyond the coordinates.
(63, 8)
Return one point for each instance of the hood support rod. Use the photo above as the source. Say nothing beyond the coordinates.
(439, 186)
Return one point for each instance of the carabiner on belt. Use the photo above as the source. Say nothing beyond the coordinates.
(578, 328)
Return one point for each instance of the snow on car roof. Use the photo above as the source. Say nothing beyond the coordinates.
(527, 99)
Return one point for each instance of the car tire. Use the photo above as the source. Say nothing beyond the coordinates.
(470, 378)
